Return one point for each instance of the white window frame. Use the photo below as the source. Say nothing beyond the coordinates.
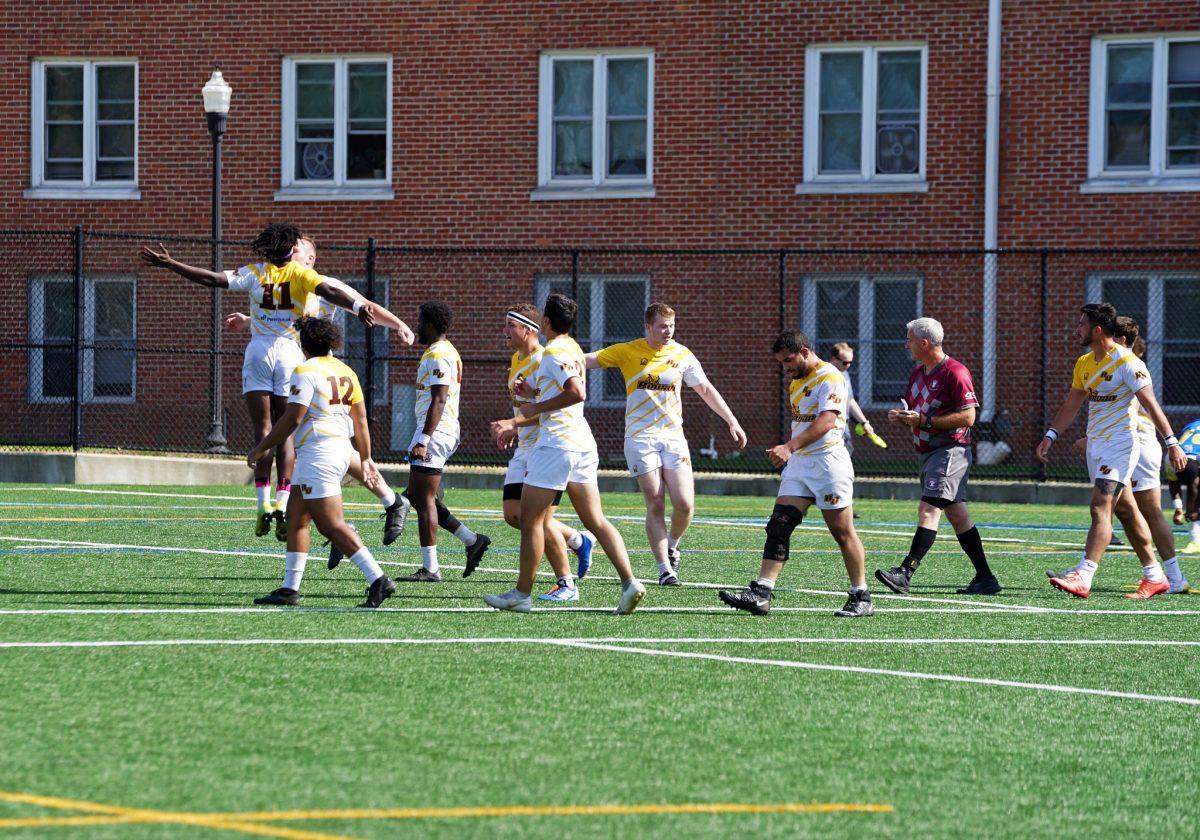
(338, 188)
(1152, 330)
(1156, 177)
(866, 180)
(87, 187)
(36, 317)
(864, 344)
(595, 396)
(599, 185)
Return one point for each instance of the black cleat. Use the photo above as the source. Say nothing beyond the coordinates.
(673, 557)
(475, 553)
(981, 585)
(668, 579)
(422, 575)
(335, 553)
(754, 598)
(394, 518)
(1115, 540)
(281, 597)
(379, 591)
(281, 525)
(858, 606)
(895, 579)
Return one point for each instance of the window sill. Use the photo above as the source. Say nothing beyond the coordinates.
(84, 193)
(555, 193)
(310, 193)
(1093, 186)
(860, 187)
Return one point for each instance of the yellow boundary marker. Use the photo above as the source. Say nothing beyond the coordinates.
(252, 822)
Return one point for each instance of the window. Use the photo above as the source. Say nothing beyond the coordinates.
(868, 312)
(84, 129)
(1145, 114)
(354, 351)
(1166, 306)
(337, 128)
(109, 334)
(864, 119)
(596, 125)
(612, 309)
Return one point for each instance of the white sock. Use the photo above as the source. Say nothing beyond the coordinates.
(429, 558)
(1153, 572)
(765, 584)
(293, 569)
(575, 541)
(387, 497)
(263, 492)
(1082, 559)
(281, 498)
(1178, 504)
(1087, 570)
(366, 563)
(1171, 567)
(567, 581)
(672, 543)
(466, 535)
(862, 587)
(664, 567)
(1196, 532)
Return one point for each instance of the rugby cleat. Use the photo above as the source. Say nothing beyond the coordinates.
(1190, 548)
(981, 585)
(379, 591)
(668, 579)
(281, 526)
(475, 553)
(422, 575)
(1147, 589)
(583, 554)
(1115, 540)
(1050, 573)
(281, 597)
(1184, 588)
(895, 579)
(335, 553)
(511, 600)
(1072, 583)
(262, 522)
(560, 595)
(755, 598)
(632, 593)
(394, 518)
(673, 557)
(858, 606)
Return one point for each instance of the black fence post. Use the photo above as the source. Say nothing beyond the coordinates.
(575, 289)
(783, 418)
(1044, 281)
(77, 343)
(370, 342)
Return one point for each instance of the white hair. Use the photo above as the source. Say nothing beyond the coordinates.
(928, 329)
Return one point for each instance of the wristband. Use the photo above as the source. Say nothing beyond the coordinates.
(358, 304)
(423, 440)
(926, 421)
(1052, 434)
(1171, 440)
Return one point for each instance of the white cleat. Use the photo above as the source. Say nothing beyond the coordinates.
(510, 600)
(632, 593)
(560, 595)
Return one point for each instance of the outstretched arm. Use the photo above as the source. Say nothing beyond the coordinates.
(162, 259)
(713, 399)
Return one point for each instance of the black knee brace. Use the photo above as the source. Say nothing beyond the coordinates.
(784, 519)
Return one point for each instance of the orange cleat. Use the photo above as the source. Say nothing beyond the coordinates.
(1073, 583)
(1147, 589)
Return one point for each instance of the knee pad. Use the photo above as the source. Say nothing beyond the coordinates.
(784, 519)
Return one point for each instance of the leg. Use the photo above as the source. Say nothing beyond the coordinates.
(258, 406)
(327, 514)
(1147, 503)
(651, 484)
(586, 499)
(984, 581)
(296, 557)
(682, 487)
(841, 528)
(786, 516)
(285, 453)
(929, 514)
(537, 505)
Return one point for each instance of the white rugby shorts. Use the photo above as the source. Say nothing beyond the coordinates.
(439, 449)
(826, 477)
(1113, 460)
(1147, 473)
(518, 466)
(553, 469)
(268, 363)
(647, 454)
(320, 467)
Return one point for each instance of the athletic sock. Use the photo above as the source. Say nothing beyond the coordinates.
(1087, 570)
(672, 543)
(283, 491)
(862, 587)
(1196, 532)
(387, 496)
(1153, 572)
(922, 541)
(467, 536)
(1173, 572)
(765, 584)
(262, 489)
(293, 569)
(973, 546)
(575, 541)
(664, 568)
(366, 563)
(429, 558)
(1178, 502)
(567, 582)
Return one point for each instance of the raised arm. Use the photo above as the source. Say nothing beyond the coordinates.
(162, 259)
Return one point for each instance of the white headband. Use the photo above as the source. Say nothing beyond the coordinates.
(521, 319)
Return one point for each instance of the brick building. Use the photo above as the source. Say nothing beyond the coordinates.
(613, 125)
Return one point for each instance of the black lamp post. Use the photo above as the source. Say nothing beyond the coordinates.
(216, 93)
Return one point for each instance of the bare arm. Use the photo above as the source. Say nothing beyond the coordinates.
(1062, 418)
(437, 404)
(713, 399)
(825, 421)
(855, 412)
(202, 276)
(1162, 425)
(362, 442)
(573, 392)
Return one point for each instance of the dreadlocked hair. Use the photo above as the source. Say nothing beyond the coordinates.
(277, 241)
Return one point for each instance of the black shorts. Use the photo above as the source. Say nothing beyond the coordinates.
(512, 493)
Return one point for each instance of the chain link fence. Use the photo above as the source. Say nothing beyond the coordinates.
(105, 353)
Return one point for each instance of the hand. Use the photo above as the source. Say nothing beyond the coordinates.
(158, 259)
(893, 415)
(527, 410)
(1178, 458)
(420, 452)
(237, 322)
(912, 419)
(739, 436)
(867, 427)
(501, 430)
(371, 476)
(1042, 449)
(779, 455)
(366, 314)
(523, 388)
(406, 335)
(1079, 447)
(254, 457)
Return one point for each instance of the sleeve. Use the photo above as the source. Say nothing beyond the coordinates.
(435, 371)
(611, 356)
(242, 280)
(1135, 374)
(693, 374)
(304, 386)
(558, 369)
(304, 282)
(1079, 377)
(831, 395)
(963, 390)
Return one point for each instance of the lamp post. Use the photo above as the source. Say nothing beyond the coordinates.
(216, 93)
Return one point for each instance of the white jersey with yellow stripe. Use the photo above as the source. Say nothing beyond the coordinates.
(821, 389)
(1111, 382)
(524, 367)
(328, 387)
(654, 379)
(440, 365)
(278, 295)
(563, 428)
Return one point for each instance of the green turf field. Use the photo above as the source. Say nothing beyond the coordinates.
(144, 696)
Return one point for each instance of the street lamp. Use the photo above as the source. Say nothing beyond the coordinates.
(216, 93)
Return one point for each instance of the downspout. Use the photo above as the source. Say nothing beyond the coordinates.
(991, 206)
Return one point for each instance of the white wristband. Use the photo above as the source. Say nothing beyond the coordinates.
(423, 440)
(1171, 440)
(1052, 434)
(358, 304)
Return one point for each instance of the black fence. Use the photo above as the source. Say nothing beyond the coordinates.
(102, 352)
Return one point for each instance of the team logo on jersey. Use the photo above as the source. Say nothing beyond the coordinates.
(1141, 374)
(653, 383)
(438, 373)
(969, 396)
(835, 399)
(643, 362)
(831, 499)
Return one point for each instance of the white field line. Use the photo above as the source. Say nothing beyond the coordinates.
(886, 672)
(547, 610)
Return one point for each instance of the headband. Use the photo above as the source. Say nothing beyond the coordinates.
(522, 320)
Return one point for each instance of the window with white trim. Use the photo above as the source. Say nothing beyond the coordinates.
(337, 127)
(84, 128)
(612, 309)
(596, 124)
(864, 117)
(1145, 113)
(109, 335)
(870, 313)
(1166, 305)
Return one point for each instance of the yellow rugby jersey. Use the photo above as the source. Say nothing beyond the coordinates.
(566, 428)
(328, 387)
(1110, 383)
(278, 295)
(653, 382)
(440, 365)
(823, 389)
(523, 367)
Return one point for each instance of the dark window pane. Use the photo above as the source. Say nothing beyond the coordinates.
(628, 85)
(627, 147)
(64, 141)
(573, 148)
(114, 111)
(64, 112)
(314, 91)
(1128, 295)
(891, 370)
(1130, 69)
(1181, 309)
(116, 141)
(1183, 127)
(368, 91)
(583, 319)
(1184, 63)
(572, 88)
(624, 310)
(114, 310)
(841, 142)
(899, 81)
(1181, 377)
(64, 84)
(837, 311)
(64, 171)
(114, 170)
(114, 82)
(1129, 138)
(112, 372)
(895, 306)
(58, 310)
(841, 81)
(366, 156)
(58, 372)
